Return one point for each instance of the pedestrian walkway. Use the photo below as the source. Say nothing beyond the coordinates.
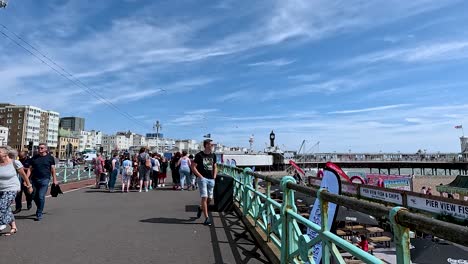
(94, 226)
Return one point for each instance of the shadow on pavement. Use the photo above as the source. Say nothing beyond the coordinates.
(167, 220)
(25, 217)
(243, 247)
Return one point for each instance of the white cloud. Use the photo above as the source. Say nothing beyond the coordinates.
(441, 51)
(273, 63)
(370, 109)
(202, 111)
(233, 96)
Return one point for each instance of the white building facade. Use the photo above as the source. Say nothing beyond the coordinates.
(188, 145)
(52, 128)
(3, 135)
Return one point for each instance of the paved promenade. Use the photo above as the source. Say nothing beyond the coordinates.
(94, 226)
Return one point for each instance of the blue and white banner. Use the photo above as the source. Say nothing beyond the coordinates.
(330, 181)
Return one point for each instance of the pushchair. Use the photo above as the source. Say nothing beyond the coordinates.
(103, 180)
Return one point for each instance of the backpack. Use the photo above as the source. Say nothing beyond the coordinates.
(153, 163)
(128, 170)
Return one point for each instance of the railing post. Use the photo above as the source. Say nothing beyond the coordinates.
(89, 171)
(245, 194)
(268, 211)
(401, 237)
(79, 173)
(287, 233)
(324, 226)
(255, 206)
(65, 175)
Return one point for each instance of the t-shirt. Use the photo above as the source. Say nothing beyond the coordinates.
(205, 164)
(9, 181)
(142, 158)
(156, 164)
(42, 166)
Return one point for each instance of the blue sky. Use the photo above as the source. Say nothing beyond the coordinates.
(354, 75)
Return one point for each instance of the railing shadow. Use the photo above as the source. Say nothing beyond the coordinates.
(227, 230)
(243, 247)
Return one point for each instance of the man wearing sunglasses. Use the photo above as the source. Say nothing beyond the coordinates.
(42, 167)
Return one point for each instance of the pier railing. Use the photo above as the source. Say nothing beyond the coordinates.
(77, 173)
(280, 221)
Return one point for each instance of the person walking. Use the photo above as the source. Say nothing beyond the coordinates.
(98, 165)
(175, 171)
(114, 172)
(134, 180)
(192, 181)
(127, 173)
(184, 170)
(204, 167)
(155, 170)
(144, 168)
(9, 186)
(25, 162)
(163, 173)
(42, 168)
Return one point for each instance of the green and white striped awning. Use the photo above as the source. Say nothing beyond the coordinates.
(459, 185)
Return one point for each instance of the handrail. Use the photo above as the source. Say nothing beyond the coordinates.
(246, 190)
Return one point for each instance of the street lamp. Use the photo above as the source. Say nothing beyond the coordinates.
(156, 127)
(3, 3)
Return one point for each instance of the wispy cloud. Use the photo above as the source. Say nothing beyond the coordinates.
(202, 111)
(441, 51)
(370, 109)
(237, 95)
(273, 63)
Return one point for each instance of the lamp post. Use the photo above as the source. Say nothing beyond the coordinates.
(157, 126)
(3, 3)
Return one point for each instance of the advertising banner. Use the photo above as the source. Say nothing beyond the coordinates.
(438, 207)
(390, 197)
(330, 181)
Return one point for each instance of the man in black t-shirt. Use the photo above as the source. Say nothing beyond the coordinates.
(42, 167)
(26, 161)
(204, 167)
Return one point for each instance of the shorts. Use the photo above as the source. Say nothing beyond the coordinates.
(126, 178)
(144, 173)
(162, 175)
(206, 187)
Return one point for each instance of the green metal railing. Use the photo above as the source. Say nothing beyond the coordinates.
(78, 173)
(280, 221)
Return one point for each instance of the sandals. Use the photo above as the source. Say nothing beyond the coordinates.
(12, 232)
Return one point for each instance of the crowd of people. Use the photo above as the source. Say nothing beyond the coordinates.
(20, 173)
(144, 171)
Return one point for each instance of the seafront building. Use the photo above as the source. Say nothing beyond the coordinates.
(72, 123)
(29, 125)
(3, 135)
(90, 140)
(68, 144)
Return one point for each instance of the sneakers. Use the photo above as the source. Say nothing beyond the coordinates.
(199, 212)
(29, 206)
(164, 185)
(2, 227)
(17, 211)
(151, 187)
(146, 190)
(207, 222)
(159, 185)
(139, 190)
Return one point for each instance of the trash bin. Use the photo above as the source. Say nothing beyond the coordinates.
(223, 193)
